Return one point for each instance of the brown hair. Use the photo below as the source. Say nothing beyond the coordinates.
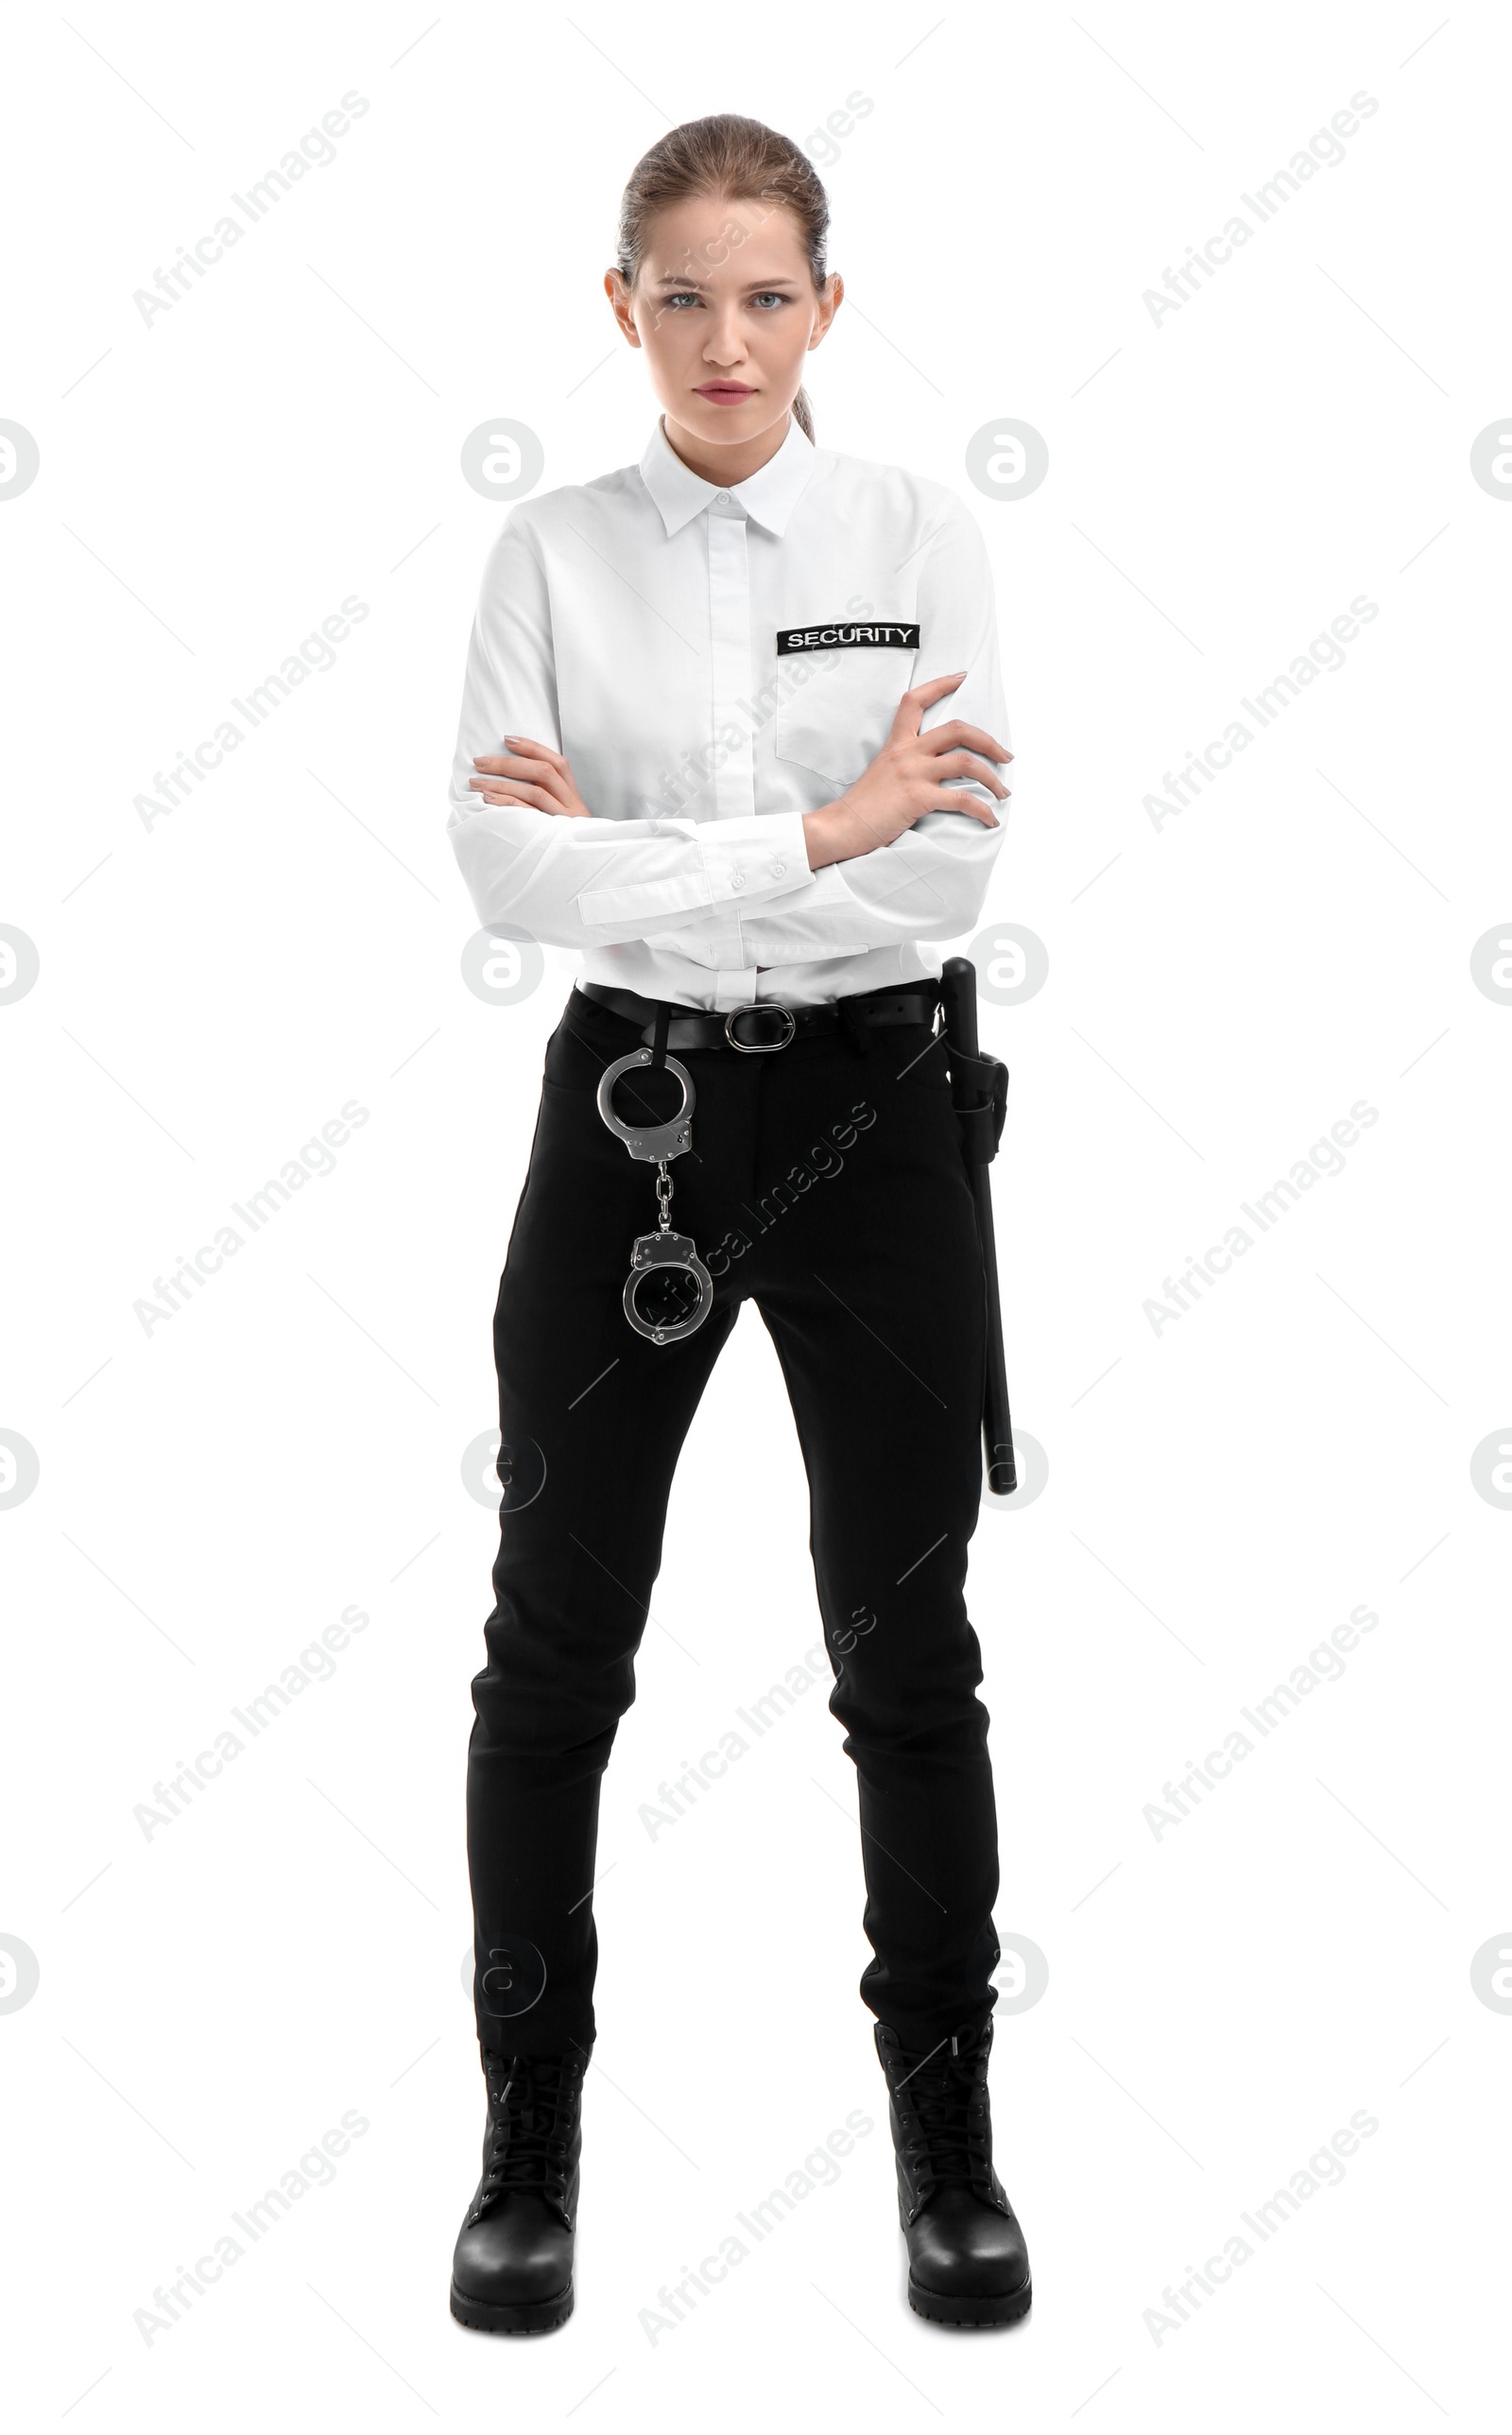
(726, 155)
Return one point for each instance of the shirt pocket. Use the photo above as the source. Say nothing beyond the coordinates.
(837, 719)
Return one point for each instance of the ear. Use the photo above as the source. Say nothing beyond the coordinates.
(619, 297)
(832, 296)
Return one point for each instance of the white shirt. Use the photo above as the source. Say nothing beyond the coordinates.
(632, 623)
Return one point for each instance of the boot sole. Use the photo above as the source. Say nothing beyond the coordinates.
(985, 2308)
(511, 2316)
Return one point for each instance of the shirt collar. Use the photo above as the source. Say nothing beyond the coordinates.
(768, 496)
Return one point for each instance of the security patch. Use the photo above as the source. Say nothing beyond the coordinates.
(847, 638)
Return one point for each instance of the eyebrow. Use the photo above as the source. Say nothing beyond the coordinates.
(671, 278)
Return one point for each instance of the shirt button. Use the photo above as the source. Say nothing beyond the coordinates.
(779, 870)
(737, 879)
(722, 499)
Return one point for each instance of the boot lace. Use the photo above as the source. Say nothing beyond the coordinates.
(944, 2119)
(529, 2127)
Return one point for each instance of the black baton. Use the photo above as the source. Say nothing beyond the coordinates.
(979, 1093)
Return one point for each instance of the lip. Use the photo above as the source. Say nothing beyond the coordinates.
(725, 393)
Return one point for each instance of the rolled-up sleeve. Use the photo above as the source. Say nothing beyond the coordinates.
(569, 881)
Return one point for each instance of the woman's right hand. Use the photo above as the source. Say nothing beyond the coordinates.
(907, 779)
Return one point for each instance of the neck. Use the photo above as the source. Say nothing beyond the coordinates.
(725, 466)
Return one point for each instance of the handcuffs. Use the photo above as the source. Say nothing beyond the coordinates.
(664, 1265)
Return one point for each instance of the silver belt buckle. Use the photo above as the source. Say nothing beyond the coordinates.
(760, 1048)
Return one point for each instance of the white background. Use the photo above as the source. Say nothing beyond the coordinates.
(1221, 990)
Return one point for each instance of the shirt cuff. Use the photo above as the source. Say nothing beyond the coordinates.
(744, 861)
(755, 858)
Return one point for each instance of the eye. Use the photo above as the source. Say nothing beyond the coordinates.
(681, 295)
(770, 296)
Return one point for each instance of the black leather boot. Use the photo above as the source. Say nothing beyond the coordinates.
(513, 2267)
(968, 2264)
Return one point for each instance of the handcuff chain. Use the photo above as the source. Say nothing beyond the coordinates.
(664, 1196)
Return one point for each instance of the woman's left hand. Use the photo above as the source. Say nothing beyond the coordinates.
(530, 773)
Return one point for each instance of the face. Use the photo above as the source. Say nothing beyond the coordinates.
(725, 306)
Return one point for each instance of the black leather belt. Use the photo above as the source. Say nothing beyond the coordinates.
(757, 1029)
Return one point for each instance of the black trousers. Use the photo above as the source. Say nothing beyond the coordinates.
(825, 1185)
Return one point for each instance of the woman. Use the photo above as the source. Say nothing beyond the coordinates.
(731, 727)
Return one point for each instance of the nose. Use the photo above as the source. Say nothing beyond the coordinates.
(725, 345)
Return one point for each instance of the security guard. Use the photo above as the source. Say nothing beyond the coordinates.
(732, 728)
